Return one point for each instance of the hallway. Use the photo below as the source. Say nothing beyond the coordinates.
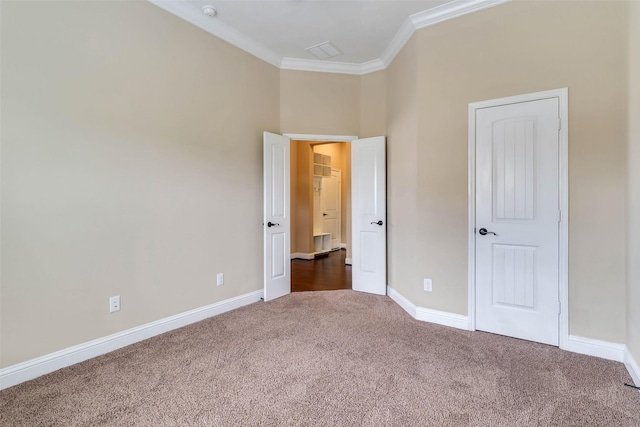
(321, 274)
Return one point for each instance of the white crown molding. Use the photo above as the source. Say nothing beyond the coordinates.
(372, 66)
(430, 17)
(399, 40)
(442, 13)
(216, 27)
(451, 10)
(320, 66)
(331, 66)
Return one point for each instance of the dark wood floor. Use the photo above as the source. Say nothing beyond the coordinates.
(322, 274)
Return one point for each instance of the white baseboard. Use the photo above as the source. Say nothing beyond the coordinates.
(606, 350)
(597, 348)
(33, 368)
(348, 261)
(632, 366)
(302, 255)
(444, 318)
(453, 320)
(406, 305)
(576, 344)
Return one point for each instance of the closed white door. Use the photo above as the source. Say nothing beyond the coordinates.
(277, 225)
(369, 218)
(517, 216)
(330, 195)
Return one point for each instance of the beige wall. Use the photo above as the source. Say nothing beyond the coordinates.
(131, 165)
(319, 103)
(302, 198)
(633, 257)
(373, 119)
(402, 170)
(373, 104)
(517, 48)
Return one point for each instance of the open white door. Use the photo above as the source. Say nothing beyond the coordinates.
(369, 215)
(277, 224)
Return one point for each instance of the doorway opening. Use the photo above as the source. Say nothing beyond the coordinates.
(366, 232)
(320, 215)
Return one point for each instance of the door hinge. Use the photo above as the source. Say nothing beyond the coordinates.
(559, 123)
(559, 307)
(559, 215)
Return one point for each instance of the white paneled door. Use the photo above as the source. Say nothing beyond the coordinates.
(517, 216)
(330, 202)
(277, 225)
(368, 210)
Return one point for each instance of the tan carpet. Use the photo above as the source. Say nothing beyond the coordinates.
(328, 358)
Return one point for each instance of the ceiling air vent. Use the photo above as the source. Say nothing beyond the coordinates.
(323, 50)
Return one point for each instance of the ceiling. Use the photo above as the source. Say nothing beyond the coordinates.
(368, 33)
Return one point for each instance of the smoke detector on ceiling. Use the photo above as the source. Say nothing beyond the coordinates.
(323, 50)
(209, 10)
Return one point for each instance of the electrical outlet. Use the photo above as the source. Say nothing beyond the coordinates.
(114, 304)
(428, 285)
(220, 279)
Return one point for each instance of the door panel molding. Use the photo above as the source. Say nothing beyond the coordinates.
(562, 95)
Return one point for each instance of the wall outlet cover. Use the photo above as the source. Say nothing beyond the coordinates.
(428, 285)
(114, 304)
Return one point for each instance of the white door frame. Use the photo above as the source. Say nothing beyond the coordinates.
(323, 138)
(563, 253)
